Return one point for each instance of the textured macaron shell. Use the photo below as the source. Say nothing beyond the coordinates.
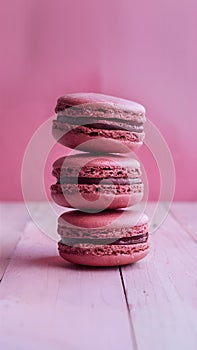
(93, 202)
(107, 224)
(93, 165)
(104, 256)
(110, 103)
(84, 118)
(117, 182)
(84, 139)
(125, 160)
(112, 219)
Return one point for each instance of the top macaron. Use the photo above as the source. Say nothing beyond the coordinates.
(99, 123)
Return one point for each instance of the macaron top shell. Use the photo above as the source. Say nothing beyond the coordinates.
(89, 165)
(114, 218)
(102, 103)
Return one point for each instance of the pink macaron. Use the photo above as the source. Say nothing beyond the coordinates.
(82, 119)
(92, 182)
(109, 238)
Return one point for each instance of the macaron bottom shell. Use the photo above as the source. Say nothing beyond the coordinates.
(83, 142)
(107, 202)
(104, 256)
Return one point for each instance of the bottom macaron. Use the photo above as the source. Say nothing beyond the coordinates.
(108, 238)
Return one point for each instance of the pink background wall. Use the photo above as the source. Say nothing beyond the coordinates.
(137, 49)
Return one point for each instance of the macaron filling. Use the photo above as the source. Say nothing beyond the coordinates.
(109, 241)
(96, 181)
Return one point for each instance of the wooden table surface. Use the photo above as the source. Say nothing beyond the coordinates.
(46, 303)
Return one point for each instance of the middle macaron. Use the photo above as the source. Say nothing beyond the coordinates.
(97, 182)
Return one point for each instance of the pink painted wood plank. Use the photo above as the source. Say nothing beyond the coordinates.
(46, 303)
(186, 215)
(13, 218)
(162, 291)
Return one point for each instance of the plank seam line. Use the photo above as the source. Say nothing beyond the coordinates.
(23, 230)
(133, 337)
(181, 225)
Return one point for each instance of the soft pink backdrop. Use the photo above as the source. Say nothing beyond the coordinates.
(137, 49)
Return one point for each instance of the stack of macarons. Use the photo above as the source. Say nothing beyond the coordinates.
(99, 180)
